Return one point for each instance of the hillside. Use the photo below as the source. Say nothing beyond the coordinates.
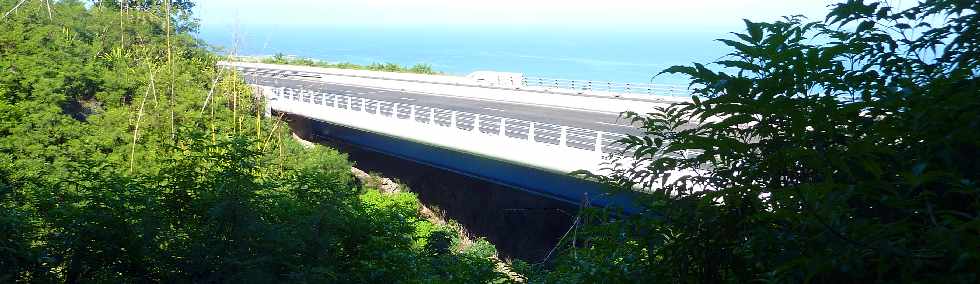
(126, 156)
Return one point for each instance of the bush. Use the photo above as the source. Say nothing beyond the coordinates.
(481, 248)
(125, 156)
(440, 242)
(280, 58)
(838, 151)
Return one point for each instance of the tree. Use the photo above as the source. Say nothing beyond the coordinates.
(94, 187)
(835, 151)
(279, 58)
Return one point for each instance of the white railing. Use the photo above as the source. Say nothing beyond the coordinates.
(527, 83)
(607, 86)
(597, 141)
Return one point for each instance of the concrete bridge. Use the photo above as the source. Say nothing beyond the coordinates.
(525, 133)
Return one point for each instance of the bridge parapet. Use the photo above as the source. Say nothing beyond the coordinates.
(607, 87)
(541, 145)
(574, 94)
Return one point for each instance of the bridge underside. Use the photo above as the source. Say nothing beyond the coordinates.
(535, 181)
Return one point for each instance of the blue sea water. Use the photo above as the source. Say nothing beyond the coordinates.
(618, 56)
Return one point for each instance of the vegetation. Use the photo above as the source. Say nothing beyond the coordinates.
(280, 58)
(841, 151)
(126, 156)
(835, 151)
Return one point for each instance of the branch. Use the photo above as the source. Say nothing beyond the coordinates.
(12, 10)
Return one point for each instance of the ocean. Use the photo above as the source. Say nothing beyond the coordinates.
(617, 56)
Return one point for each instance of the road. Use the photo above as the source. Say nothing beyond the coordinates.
(606, 122)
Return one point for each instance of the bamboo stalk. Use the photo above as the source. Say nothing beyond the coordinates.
(136, 129)
(153, 90)
(234, 106)
(211, 91)
(214, 130)
(258, 114)
(274, 127)
(170, 66)
(122, 28)
(214, 127)
(48, 2)
(281, 155)
(13, 9)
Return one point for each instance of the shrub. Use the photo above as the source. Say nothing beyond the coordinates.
(838, 151)
(125, 156)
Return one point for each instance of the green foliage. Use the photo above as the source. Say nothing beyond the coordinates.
(280, 58)
(127, 157)
(422, 69)
(839, 151)
(481, 248)
(439, 242)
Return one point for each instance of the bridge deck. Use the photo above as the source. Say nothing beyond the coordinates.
(602, 121)
(537, 137)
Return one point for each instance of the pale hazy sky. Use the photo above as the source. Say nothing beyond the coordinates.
(672, 15)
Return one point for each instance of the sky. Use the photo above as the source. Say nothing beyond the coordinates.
(658, 15)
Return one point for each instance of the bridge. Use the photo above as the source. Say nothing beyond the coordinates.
(523, 132)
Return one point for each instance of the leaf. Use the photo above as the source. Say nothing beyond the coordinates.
(865, 26)
(741, 47)
(678, 69)
(744, 37)
(754, 29)
(743, 65)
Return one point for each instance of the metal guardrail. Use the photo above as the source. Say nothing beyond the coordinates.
(606, 86)
(522, 130)
(527, 83)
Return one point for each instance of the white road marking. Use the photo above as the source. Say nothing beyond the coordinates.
(407, 99)
(493, 109)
